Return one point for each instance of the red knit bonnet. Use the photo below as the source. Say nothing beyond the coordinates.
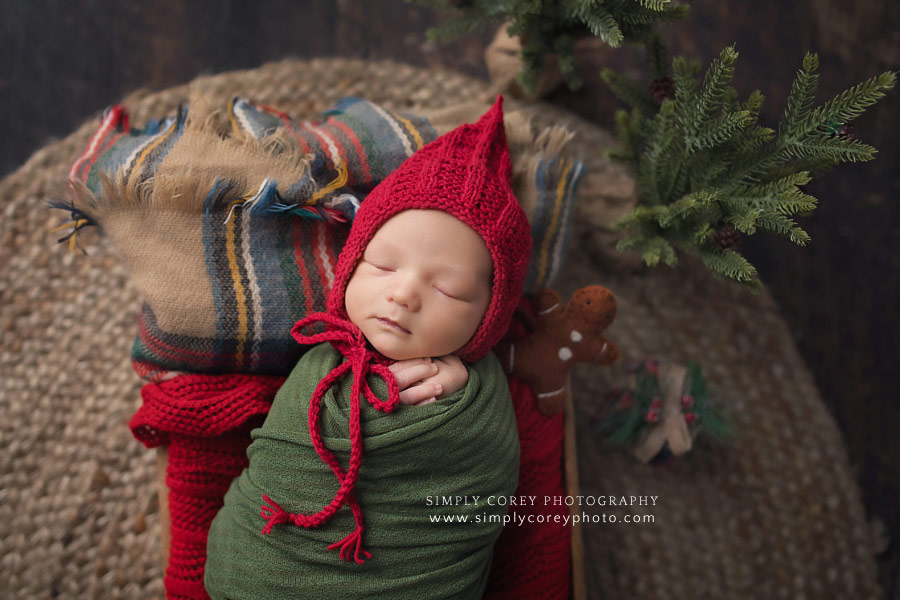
(465, 173)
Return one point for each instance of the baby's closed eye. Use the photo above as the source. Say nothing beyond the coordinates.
(449, 294)
(380, 266)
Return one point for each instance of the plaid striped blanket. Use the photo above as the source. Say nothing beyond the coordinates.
(232, 232)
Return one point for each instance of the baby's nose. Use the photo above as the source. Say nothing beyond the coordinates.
(405, 294)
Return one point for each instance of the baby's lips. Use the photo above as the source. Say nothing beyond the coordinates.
(393, 323)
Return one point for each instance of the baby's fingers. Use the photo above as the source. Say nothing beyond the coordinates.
(418, 393)
(418, 370)
(410, 362)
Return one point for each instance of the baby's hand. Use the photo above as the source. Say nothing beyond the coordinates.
(410, 375)
(423, 380)
(452, 375)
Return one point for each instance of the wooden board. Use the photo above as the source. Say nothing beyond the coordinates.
(165, 522)
(579, 589)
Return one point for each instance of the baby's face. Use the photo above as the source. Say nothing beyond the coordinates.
(422, 286)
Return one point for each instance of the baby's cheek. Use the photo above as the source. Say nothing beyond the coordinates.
(353, 299)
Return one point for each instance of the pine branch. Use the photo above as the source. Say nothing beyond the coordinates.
(686, 206)
(816, 166)
(564, 46)
(714, 426)
(638, 22)
(702, 235)
(715, 84)
(641, 215)
(600, 23)
(797, 203)
(654, 4)
(703, 164)
(657, 249)
(707, 169)
(720, 130)
(784, 225)
(732, 265)
(547, 26)
(685, 75)
(656, 50)
(773, 187)
(835, 149)
(628, 131)
(661, 134)
(755, 137)
(754, 103)
(800, 99)
(628, 92)
(533, 55)
(850, 104)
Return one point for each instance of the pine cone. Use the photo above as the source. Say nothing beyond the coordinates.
(727, 238)
(848, 131)
(662, 88)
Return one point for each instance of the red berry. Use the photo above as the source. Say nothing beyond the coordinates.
(656, 403)
(652, 416)
(689, 418)
(687, 400)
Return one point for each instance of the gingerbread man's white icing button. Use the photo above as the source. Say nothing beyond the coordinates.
(576, 336)
(565, 354)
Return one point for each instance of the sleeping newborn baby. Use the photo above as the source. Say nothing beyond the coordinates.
(399, 402)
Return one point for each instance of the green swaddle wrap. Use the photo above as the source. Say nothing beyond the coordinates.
(465, 445)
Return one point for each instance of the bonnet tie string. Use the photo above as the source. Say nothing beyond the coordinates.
(360, 361)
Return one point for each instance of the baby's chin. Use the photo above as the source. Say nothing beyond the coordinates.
(391, 348)
(395, 350)
(398, 354)
(400, 347)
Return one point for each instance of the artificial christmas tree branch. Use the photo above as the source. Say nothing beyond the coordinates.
(707, 172)
(552, 27)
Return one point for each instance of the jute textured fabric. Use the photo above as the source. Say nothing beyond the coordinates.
(774, 515)
(465, 444)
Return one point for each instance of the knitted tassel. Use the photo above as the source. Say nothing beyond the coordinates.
(273, 514)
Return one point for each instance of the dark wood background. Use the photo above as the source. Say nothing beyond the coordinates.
(63, 62)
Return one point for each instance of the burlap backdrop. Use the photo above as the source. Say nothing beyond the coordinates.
(776, 514)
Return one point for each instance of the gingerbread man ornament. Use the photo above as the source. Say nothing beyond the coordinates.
(558, 337)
